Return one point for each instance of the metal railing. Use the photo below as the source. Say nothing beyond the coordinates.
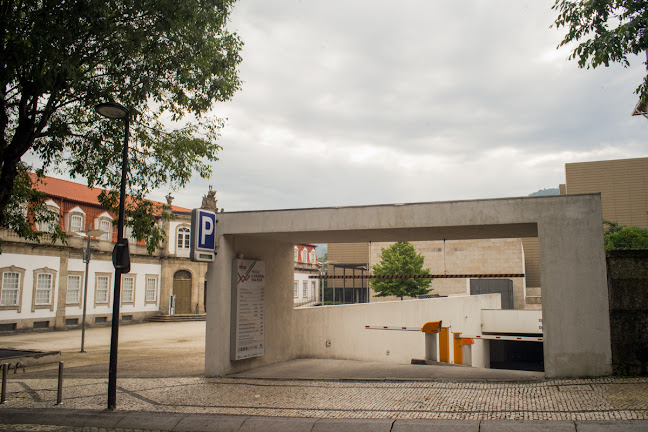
(6, 367)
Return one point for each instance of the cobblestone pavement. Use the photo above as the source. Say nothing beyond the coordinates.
(574, 399)
(48, 428)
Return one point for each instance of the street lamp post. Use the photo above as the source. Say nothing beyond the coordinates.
(121, 259)
(87, 254)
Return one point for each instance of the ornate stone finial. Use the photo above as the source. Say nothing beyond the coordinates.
(169, 198)
(209, 201)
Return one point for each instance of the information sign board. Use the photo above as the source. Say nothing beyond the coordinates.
(248, 309)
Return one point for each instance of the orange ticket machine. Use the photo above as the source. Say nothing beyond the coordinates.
(462, 349)
(431, 330)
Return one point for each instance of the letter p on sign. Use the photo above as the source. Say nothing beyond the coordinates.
(206, 230)
(203, 235)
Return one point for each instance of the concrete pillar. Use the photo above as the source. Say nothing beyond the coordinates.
(278, 258)
(431, 346)
(466, 354)
(61, 294)
(575, 309)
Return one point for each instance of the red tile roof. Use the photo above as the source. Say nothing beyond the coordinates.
(71, 191)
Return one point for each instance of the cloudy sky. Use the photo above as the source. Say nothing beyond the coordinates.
(372, 101)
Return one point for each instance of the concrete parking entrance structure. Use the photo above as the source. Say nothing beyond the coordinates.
(572, 267)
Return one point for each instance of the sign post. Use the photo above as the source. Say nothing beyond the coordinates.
(203, 235)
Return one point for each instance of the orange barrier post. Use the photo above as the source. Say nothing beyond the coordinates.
(457, 345)
(431, 330)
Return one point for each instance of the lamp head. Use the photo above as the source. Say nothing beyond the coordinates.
(112, 110)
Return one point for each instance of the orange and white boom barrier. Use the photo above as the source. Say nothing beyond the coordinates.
(508, 338)
(431, 330)
(436, 276)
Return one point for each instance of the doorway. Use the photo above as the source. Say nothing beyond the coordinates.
(182, 291)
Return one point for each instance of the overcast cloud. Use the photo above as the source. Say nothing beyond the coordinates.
(369, 101)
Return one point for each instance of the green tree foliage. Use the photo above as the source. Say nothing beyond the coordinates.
(165, 60)
(400, 259)
(607, 31)
(619, 237)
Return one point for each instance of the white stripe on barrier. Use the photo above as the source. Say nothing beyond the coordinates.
(438, 276)
(507, 338)
(400, 328)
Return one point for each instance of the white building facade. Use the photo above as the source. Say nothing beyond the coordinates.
(43, 285)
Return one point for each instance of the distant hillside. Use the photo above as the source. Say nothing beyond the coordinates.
(548, 191)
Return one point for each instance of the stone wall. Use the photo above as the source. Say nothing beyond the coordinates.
(628, 296)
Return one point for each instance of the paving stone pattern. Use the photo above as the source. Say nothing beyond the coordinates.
(48, 428)
(583, 399)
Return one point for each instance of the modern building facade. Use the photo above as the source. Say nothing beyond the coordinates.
(623, 185)
(451, 257)
(42, 285)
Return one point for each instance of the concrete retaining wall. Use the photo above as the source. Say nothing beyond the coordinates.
(344, 327)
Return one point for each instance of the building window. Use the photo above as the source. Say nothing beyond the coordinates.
(48, 226)
(73, 289)
(128, 233)
(128, 289)
(296, 289)
(151, 289)
(43, 289)
(10, 289)
(313, 257)
(304, 257)
(76, 223)
(305, 293)
(296, 254)
(45, 226)
(183, 238)
(313, 289)
(106, 225)
(101, 289)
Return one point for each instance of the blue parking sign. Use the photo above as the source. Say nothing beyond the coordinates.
(203, 235)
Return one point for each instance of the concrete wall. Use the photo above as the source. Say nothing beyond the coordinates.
(511, 321)
(344, 327)
(570, 232)
(278, 258)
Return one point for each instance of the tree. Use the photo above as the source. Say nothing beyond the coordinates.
(400, 259)
(608, 31)
(167, 61)
(618, 237)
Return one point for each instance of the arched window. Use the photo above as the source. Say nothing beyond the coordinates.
(183, 238)
(304, 257)
(182, 274)
(296, 254)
